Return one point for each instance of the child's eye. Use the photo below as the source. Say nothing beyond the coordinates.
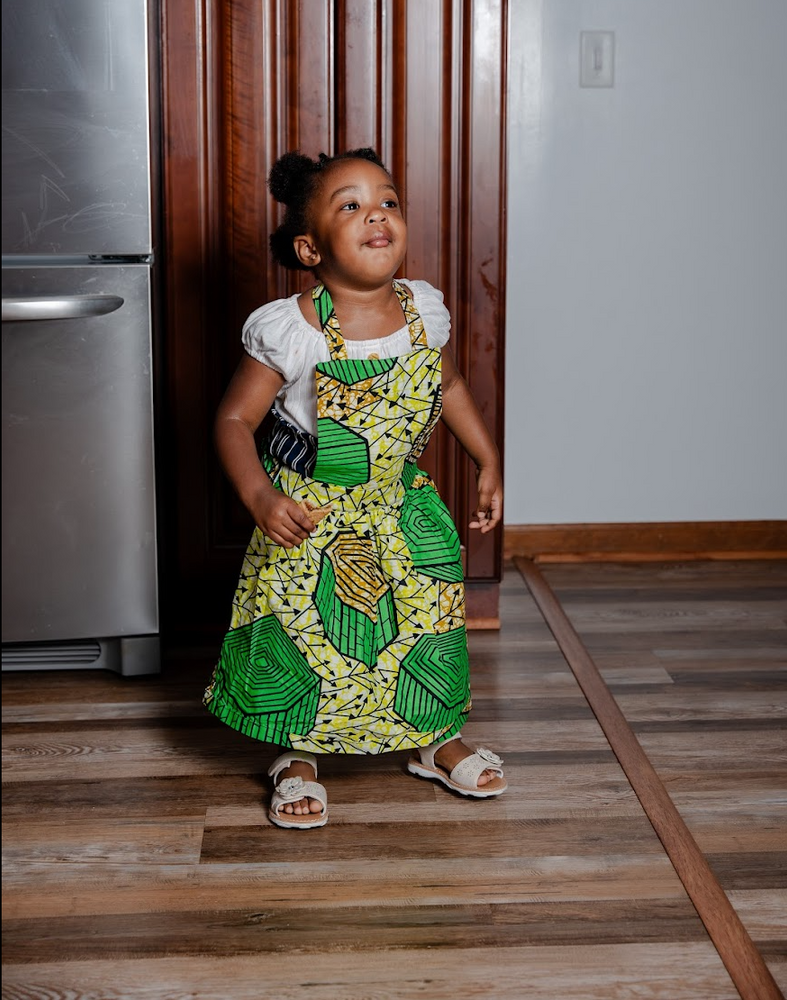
(390, 203)
(350, 205)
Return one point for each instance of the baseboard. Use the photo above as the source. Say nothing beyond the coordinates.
(482, 603)
(647, 541)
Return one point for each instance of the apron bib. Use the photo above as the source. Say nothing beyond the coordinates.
(354, 641)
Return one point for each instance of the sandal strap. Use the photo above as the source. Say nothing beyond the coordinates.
(287, 758)
(468, 771)
(426, 754)
(296, 790)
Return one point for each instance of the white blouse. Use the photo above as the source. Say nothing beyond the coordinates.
(278, 335)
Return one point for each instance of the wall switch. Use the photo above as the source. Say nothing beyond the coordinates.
(597, 59)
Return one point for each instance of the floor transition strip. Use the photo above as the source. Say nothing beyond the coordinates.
(743, 961)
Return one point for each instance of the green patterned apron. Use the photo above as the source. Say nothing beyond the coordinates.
(354, 641)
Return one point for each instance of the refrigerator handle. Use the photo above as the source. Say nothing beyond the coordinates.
(59, 307)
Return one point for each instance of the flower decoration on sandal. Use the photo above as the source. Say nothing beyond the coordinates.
(291, 789)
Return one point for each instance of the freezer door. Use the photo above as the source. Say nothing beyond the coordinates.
(76, 134)
(79, 533)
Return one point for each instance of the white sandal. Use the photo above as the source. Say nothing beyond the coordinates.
(464, 777)
(292, 789)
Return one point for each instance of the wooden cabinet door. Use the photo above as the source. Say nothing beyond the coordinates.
(422, 81)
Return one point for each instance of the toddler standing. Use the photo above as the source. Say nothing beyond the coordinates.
(348, 631)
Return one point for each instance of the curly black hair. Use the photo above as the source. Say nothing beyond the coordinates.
(293, 180)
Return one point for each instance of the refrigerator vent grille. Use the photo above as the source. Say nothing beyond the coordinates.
(35, 655)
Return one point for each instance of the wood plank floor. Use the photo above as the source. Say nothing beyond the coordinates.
(715, 727)
(139, 862)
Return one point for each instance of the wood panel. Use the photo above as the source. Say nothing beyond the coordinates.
(246, 80)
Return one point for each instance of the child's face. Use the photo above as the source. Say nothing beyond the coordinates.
(358, 235)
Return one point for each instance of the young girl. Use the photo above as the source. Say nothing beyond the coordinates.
(347, 633)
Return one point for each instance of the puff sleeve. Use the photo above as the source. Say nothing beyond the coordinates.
(274, 335)
(431, 306)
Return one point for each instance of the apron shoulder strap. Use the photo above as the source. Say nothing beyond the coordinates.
(333, 334)
(414, 322)
(329, 323)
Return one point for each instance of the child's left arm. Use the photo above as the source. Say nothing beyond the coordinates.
(463, 418)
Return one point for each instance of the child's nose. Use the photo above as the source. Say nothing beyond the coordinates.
(376, 215)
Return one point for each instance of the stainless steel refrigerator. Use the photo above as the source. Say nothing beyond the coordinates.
(79, 526)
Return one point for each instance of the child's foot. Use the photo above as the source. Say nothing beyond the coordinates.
(459, 768)
(299, 769)
(452, 753)
(298, 801)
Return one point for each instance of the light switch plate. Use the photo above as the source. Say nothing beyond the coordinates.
(597, 59)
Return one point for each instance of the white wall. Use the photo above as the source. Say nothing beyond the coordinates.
(647, 264)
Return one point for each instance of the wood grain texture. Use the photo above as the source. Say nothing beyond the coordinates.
(685, 971)
(246, 80)
(647, 541)
(140, 862)
(636, 614)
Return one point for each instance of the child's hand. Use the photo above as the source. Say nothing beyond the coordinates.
(281, 519)
(490, 500)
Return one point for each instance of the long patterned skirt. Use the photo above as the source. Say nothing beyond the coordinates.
(354, 641)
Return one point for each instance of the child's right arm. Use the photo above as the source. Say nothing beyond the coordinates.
(246, 402)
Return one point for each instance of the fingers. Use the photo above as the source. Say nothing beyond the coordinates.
(482, 522)
(287, 539)
(286, 523)
(301, 518)
(488, 513)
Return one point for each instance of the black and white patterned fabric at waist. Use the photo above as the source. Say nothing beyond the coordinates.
(289, 445)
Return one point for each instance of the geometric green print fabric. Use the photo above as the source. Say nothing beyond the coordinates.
(344, 455)
(430, 533)
(433, 679)
(268, 682)
(354, 641)
(355, 601)
(366, 428)
(387, 661)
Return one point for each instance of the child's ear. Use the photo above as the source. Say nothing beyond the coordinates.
(306, 252)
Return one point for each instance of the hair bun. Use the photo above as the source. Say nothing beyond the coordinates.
(286, 178)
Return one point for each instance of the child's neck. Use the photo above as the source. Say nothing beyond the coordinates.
(363, 314)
